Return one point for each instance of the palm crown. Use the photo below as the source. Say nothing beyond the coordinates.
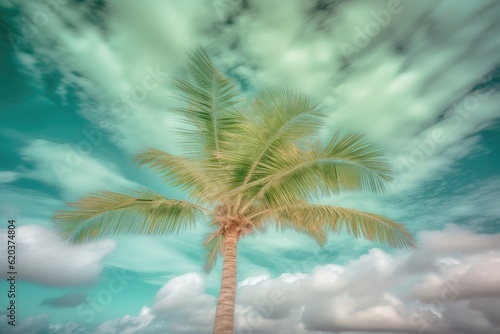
(249, 166)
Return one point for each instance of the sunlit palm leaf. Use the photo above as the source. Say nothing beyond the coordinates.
(107, 213)
(277, 118)
(345, 163)
(210, 98)
(187, 174)
(336, 219)
(213, 249)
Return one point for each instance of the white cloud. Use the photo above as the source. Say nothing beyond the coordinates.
(463, 241)
(183, 302)
(71, 169)
(180, 305)
(469, 277)
(370, 294)
(8, 176)
(46, 259)
(30, 325)
(128, 324)
(373, 293)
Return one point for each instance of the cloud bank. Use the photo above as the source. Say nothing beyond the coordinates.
(454, 291)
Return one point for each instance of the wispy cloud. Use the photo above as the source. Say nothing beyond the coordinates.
(70, 168)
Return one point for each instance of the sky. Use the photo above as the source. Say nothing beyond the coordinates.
(85, 86)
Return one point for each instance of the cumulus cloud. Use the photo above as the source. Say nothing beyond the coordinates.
(181, 305)
(371, 294)
(470, 277)
(182, 294)
(128, 324)
(374, 294)
(48, 260)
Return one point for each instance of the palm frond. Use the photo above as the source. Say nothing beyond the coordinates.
(210, 99)
(213, 249)
(108, 213)
(188, 174)
(370, 226)
(345, 163)
(276, 119)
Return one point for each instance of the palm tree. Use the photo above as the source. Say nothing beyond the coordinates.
(248, 166)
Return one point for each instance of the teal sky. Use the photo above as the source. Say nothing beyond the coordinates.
(84, 86)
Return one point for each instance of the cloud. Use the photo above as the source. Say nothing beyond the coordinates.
(432, 208)
(470, 277)
(183, 295)
(128, 324)
(374, 294)
(74, 171)
(30, 325)
(41, 324)
(180, 305)
(48, 260)
(68, 300)
(26, 205)
(404, 87)
(8, 176)
(370, 294)
(123, 90)
(439, 243)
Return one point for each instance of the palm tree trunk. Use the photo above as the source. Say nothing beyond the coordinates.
(224, 316)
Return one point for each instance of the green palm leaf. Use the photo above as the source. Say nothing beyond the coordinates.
(213, 249)
(142, 212)
(346, 163)
(277, 118)
(188, 174)
(210, 99)
(314, 217)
